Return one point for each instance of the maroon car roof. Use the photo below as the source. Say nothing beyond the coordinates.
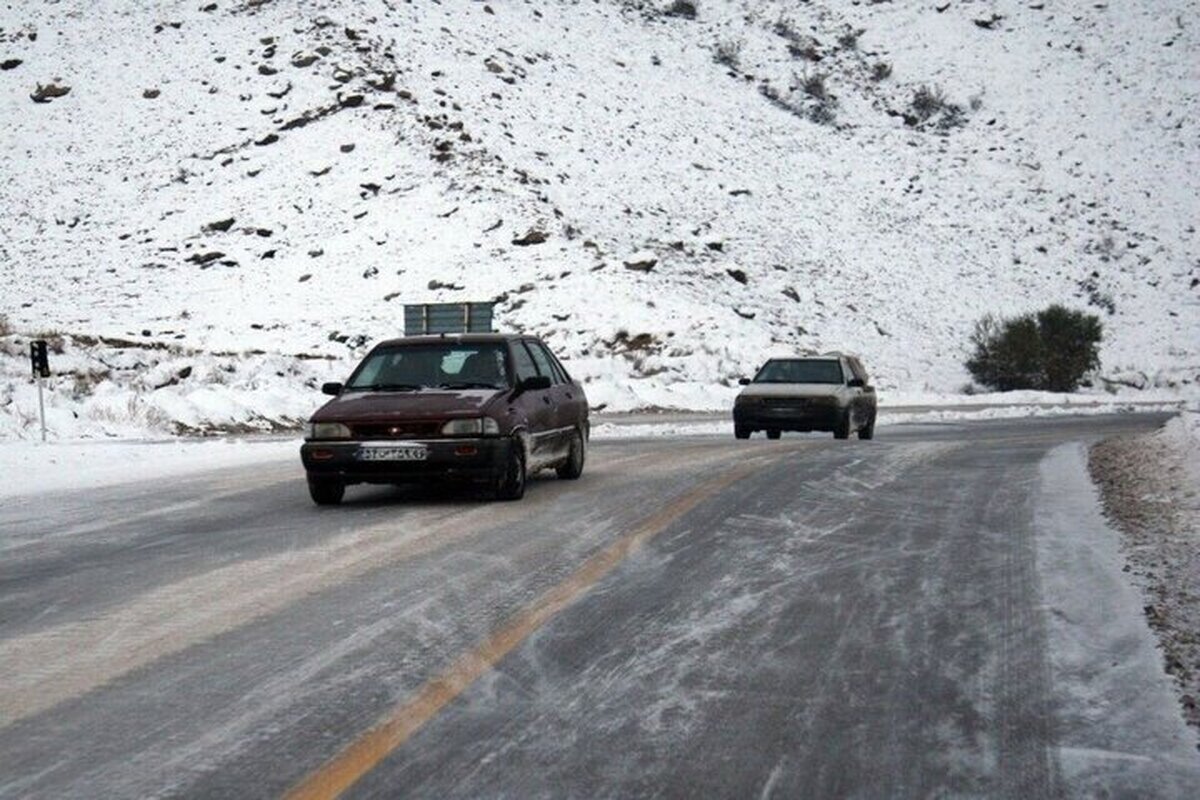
(464, 338)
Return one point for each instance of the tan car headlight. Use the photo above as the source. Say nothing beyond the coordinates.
(328, 430)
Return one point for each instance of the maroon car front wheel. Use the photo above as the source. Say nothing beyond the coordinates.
(511, 485)
(326, 491)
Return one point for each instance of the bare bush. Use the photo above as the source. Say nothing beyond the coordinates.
(815, 105)
(728, 53)
(85, 382)
(927, 101)
(55, 340)
(823, 113)
(813, 85)
(786, 27)
(929, 105)
(848, 40)
(681, 8)
(806, 48)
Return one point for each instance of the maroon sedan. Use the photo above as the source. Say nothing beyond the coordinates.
(488, 408)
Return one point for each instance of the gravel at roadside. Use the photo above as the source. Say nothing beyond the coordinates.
(1150, 486)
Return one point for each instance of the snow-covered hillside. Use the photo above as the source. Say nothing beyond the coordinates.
(666, 199)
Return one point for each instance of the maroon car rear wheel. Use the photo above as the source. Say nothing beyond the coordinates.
(572, 468)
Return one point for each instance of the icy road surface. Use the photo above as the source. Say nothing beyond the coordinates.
(940, 612)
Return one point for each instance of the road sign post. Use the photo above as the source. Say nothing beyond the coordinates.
(39, 359)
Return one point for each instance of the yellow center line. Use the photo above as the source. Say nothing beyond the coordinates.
(402, 722)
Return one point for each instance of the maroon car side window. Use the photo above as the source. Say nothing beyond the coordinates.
(523, 362)
(543, 362)
(560, 374)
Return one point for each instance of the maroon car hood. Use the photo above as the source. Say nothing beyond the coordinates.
(423, 404)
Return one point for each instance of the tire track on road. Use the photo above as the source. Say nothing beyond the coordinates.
(46, 667)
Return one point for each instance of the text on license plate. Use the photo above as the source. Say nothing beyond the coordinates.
(392, 454)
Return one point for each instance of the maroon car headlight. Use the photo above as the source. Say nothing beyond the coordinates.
(327, 430)
(474, 426)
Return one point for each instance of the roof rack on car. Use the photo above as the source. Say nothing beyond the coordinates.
(444, 318)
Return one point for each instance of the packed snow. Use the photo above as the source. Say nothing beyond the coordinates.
(215, 207)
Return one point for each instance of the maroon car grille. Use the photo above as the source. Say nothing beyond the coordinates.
(419, 429)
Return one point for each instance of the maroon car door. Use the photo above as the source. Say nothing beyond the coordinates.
(569, 398)
(534, 409)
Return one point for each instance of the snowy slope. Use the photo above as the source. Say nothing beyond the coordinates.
(372, 153)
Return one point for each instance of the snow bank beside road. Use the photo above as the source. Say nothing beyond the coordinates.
(1151, 490)
(721, 424)
(34, 468)
(138, 389)
(1120, 731)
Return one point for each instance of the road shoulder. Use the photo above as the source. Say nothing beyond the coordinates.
(1120, 729)
(1150, 487)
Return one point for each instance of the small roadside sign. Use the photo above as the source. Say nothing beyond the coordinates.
(40, 358)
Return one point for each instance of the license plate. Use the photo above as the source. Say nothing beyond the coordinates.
(392, 454)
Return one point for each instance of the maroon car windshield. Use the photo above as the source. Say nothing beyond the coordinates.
(442, 366)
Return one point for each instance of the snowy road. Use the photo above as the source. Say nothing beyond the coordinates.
(938, 612)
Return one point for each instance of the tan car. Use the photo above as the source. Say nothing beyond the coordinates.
(809, 393)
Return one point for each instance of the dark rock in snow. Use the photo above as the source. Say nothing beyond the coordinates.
(263, 69)
(51, 91)
(738, 275)
(305, 277)
(303, 60)
(439, 285)
(383, 82)
(532, 236)
(270, 138)
(220, 226)
(151, 94)
(204, 259)
(347, 148)
(10, 63)
(643, 265)
(351, 101)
